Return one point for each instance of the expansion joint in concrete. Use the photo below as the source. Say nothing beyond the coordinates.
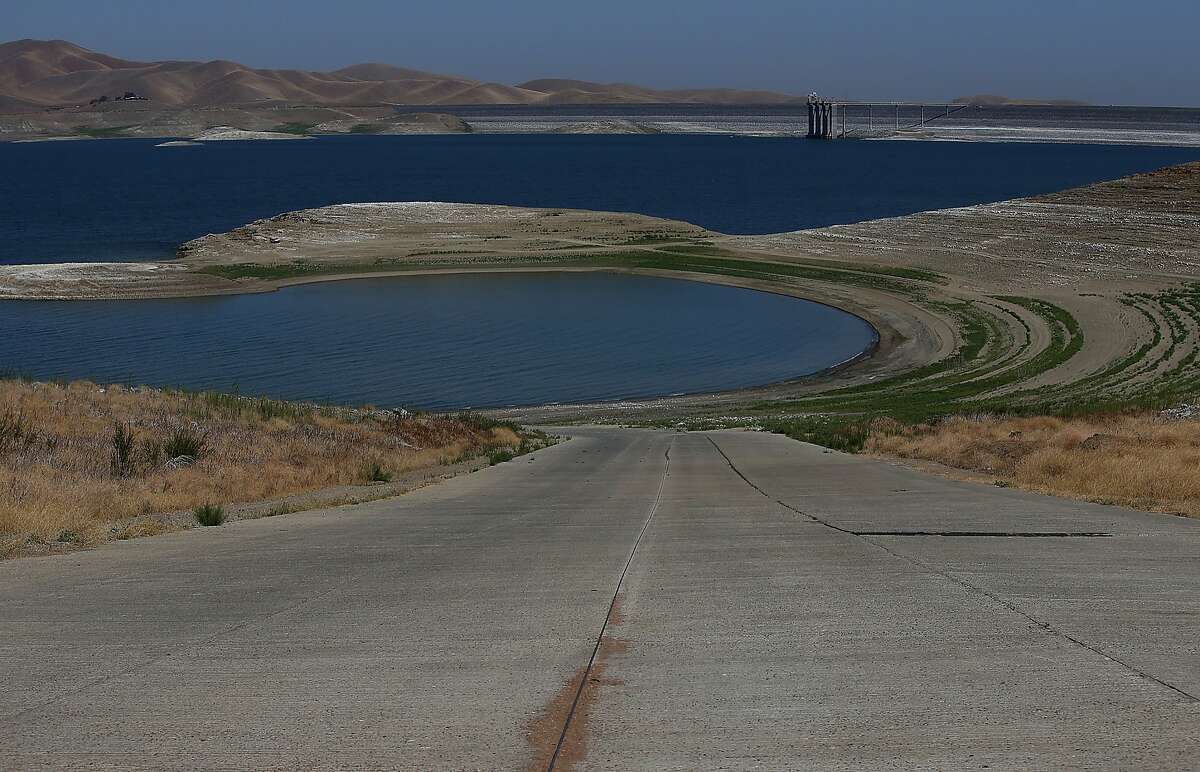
(587, 672)
(1045, 626)
(973, 588)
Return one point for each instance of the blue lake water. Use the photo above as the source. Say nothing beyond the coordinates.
(128, 200)
(442, 342)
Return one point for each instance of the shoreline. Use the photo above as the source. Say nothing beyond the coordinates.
(963, 297)
(969, 134)
(1030, 123)
(884, 336)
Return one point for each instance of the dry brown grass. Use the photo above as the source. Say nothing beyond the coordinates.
(58, 482)
(1142, 461)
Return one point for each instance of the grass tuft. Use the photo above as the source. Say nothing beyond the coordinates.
(16, 432)
(121, 452)
(185, 441)
(376, 473)
(847, 434)
(500, 456)
(483, 423)
(209, 514)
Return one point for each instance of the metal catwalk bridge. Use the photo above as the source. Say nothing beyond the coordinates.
(842, 119)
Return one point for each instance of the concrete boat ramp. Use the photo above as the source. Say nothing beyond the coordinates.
(630, 599)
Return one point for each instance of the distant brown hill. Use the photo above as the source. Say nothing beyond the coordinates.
(43, 73)
(997, 99)
(564, 91)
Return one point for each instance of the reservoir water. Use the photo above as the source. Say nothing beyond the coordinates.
(442, 342)
(129, 200)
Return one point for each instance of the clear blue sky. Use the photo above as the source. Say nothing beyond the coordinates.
(1101, 51)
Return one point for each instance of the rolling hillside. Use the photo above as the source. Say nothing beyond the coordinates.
(35, 74)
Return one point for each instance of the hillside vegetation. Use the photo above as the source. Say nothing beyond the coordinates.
(1148, 460)
(81, 464)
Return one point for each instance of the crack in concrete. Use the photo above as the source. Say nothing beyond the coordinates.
(993, 534)
(1045, 626)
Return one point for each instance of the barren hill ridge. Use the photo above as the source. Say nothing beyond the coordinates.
(35, 74)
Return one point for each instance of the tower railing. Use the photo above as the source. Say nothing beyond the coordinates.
(845, 119)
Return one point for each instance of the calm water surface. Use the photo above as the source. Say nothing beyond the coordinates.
(441, 342)
(128, 200)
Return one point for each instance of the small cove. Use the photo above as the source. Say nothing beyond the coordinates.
(441, 342)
